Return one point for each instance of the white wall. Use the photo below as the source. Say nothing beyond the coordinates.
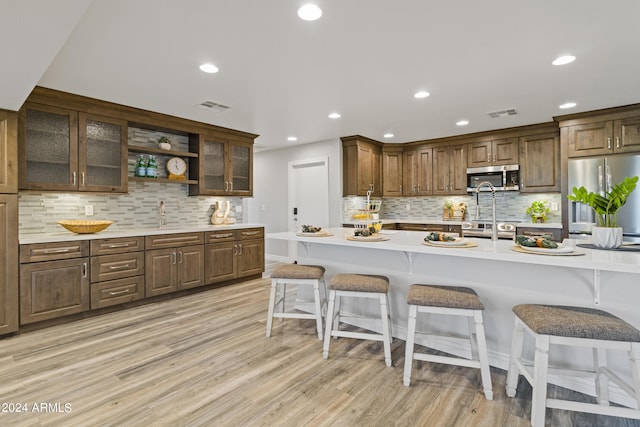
(270, 174)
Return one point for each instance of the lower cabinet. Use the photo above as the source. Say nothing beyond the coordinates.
(231, 254)
(54, 280)
(117, 271)
(171, 268)
(8, 262)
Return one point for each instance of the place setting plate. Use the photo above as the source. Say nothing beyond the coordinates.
(316, 234)
(560, 250)
(459, 242)
(374, 238)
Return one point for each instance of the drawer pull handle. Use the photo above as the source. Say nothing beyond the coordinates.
(126, 291)
(251, 233)
(84, 269)
(118, 245)
(57, 251)
(223, 236)
(118, 267)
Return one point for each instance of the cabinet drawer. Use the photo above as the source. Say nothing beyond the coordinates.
(117, 246)
(37, 252)
(109, 267)
(173, 240)
(250, 233)
(118, 291)
(554, 234)
(220, 236)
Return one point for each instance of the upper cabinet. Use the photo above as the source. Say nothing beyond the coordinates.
(450, 170)
(493, 153)
(8, 152)
(540, 163)
(392, 170)
(607, 137)
(417, 166)
(224, 166)
(361, 166)
(66, 150)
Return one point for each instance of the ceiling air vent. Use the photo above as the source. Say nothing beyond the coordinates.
(211, 105)
(503, 113)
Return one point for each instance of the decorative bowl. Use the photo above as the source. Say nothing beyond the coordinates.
(84, 226)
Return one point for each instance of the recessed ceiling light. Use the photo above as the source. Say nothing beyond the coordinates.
(388, 135)
(562, 60)
(421, 94)
(292, 138)
(334, 116)
(209, 68)
(568, 105)
(462, 122)
(309, 12)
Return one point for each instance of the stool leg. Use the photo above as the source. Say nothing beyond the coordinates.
(386, 335)
(540, 373)
(482, 356)
(602, 381)
(284, 297)
(272, 303)
(325, 296)
(329, 325)
(316, 296)
(634, 358)
(408, 350)
(517, 341)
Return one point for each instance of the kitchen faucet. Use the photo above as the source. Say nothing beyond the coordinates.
(494, 226)
(161, 222)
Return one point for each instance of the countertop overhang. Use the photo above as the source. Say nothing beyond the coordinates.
(67, 236)
(411, 242)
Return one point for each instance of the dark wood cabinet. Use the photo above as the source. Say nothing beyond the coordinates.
(224, 166)
(8, 152)
(493, 153)
(232, 254)
(8, 263)
(392, 170)
(540, 163)
(449, 170)
(54, 280)
(173, 262)
(443, 228)
(417, 165)
(67, 150)
(361, 166)
(604, 137)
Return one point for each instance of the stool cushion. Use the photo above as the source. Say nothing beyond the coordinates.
(359, 283)
(297, 271)
(576, 322)
(444, 296)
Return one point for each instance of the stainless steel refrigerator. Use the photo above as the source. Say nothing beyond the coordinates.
(597, 174)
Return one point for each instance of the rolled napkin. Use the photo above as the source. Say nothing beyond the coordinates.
(536, 242)
(310, 229)
(439, 237)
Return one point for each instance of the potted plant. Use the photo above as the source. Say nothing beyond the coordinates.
(538, 211)
(606, 234)
(164, 143)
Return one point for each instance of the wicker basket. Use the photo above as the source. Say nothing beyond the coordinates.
(82, 226)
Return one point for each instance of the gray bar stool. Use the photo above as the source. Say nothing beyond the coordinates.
(358, 286)
(455, 301)
(296, 274)
(572, 326)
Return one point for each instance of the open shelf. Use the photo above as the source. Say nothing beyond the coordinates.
(151, 150)
(163, 180)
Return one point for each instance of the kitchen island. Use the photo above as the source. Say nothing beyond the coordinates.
(502, 277)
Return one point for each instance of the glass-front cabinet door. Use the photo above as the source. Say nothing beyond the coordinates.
(63, 150)
(102, 154)
(49, 151)
(241, 168)
(223, 168)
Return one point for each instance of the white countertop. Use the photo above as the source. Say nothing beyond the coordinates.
(67, 236)
(452, 222)
(412, 242)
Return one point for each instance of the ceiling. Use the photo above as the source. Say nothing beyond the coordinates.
(281, 76)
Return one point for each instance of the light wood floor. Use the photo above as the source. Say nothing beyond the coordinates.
(204, 360)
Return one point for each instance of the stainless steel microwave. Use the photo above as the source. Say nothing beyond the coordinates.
(503, 178)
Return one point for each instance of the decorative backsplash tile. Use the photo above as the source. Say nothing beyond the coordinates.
(510, 206)
(140, 208)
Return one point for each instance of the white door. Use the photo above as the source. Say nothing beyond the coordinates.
(308, 196)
